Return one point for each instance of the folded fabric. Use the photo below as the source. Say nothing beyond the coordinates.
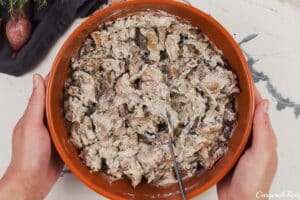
(48, 24)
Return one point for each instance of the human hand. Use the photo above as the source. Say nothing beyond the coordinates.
(34, 166)
(257, 166)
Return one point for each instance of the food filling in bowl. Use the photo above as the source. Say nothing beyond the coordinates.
(130, 71)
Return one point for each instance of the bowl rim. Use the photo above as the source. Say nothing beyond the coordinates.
(60, 149)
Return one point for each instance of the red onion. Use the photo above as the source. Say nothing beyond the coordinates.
(18, 30)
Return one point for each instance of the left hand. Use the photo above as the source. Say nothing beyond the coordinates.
(34, 166)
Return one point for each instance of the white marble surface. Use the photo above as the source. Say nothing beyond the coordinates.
(269, 33)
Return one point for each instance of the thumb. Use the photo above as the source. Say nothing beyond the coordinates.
(263, 134)
(35, 108)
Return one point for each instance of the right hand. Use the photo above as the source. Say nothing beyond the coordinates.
(256, 168)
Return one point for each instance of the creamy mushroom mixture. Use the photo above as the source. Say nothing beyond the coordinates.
(126, 75)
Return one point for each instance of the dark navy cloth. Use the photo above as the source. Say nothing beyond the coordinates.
(48, 23)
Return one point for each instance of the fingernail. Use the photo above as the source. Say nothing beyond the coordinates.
(266, 107)
(35, 81)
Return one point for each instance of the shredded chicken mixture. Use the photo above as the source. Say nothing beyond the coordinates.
(125, 75)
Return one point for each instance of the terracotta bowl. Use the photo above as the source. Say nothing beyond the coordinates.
(122, 189)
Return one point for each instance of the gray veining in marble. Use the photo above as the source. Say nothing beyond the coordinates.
(187, 2)
(64, 172)
(248, 38)
(282, 102)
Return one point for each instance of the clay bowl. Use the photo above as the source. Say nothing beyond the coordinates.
(122, 189)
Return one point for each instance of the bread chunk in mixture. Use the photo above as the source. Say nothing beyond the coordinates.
(129, 71)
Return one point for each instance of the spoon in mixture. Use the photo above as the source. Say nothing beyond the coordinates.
(160, 109)
(167, 117)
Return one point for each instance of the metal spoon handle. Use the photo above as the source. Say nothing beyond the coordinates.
(178, 177)
(180, 183)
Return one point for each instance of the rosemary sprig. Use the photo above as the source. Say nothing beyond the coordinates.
(2, 2)
(41, 3)
(20, 4)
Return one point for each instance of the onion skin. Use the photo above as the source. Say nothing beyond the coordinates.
(18, 31)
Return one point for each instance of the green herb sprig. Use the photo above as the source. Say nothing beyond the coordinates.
(20, 4)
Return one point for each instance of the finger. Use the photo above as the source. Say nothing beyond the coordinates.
(56, 165)
(47, 79)
(257, 96)
(35, 108)
(53, 173)
(223, 185)
(263, 134)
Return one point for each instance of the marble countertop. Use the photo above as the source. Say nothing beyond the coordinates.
(268, 32)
